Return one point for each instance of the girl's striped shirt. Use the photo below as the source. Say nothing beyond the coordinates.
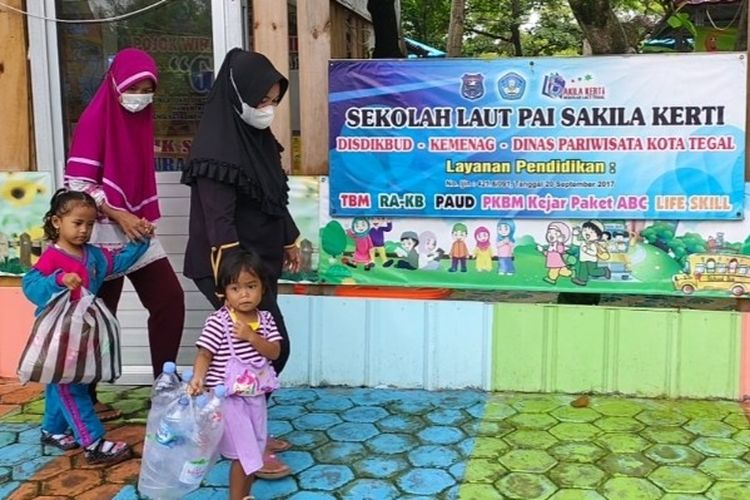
(214, 338)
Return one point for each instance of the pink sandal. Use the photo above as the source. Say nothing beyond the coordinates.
(273, 468)
(274, 445)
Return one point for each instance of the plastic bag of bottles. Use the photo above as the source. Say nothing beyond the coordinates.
(182, 437)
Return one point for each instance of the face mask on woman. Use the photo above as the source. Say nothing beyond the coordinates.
(260, 118)
(136, 102)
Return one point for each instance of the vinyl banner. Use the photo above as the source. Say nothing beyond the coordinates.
(626, 137)
(612, 256)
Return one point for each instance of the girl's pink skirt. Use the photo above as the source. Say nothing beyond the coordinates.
(245, 431)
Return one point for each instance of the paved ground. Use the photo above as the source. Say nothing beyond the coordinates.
(378, 444)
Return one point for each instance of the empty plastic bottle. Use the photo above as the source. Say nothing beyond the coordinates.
(166, 386)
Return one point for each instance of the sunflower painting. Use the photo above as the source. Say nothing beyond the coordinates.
(24, 199)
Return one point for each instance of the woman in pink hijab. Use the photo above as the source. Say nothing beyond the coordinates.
(112, 159)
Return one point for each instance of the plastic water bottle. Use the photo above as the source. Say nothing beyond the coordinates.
(209, 413)
(166, 441)
(176, 425)
(187, 376)
(210, 419)
(165, 386)
(209, 427)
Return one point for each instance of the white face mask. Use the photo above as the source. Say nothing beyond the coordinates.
(136, 102)
(260, 118)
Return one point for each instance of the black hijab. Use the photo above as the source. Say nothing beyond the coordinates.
(228, 150)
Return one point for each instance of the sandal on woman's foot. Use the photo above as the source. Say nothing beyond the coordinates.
(273, 468)
(107, 452)
(107, 413)
(64, 442)
(274, 445)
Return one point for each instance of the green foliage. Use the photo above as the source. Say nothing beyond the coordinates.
(682, 20)
(555, 33)
(333, 239)
(688, 244)
(426, 22)
(659, 234)
(547, 27)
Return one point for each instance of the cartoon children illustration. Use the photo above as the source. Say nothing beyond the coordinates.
(360, 233)
(408, 252)
(378, 227)
(733, 266)
(558, 235)
(459, 251)
(506, 242)
(429, 257)
(483, 249)
(590, 239)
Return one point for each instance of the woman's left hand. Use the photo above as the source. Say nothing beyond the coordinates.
(291, 259)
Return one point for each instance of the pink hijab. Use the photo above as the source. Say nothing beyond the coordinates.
(113, 147)
(482, 245)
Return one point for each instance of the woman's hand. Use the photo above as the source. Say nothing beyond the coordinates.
(291, 258)
(134, 228)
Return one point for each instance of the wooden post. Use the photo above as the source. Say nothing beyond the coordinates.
(743, 305)
(15, 125)
(314, 33)
(271, 38)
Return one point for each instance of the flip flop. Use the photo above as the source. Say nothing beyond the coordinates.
(273, 468)
(107, 413)
(275, 445)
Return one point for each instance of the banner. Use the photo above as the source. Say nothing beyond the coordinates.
(627, 137)
(613, 256)
(24, 199)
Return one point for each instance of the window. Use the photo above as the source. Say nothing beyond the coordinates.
(177, 35)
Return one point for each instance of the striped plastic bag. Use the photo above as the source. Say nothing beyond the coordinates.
(72, 342)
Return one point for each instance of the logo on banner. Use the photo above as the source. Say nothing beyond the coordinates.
(472, 86)
(554, 85)
(511, 86)
(557, 87)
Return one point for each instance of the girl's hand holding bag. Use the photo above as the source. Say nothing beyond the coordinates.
(72, 342)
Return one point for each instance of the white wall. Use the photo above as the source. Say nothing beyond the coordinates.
(334, 341)
(172, 230)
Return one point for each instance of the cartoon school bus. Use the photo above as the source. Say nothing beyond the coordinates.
(715, 272)
(620, 242)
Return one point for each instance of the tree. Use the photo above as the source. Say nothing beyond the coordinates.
(497, 27)
(456, 28)
(426, 22)
(687, 244)
(333, 239)
(556, 32)
(659, 235)
(618, 26)
(600, 26)
(740, 45)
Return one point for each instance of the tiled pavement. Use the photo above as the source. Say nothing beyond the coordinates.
(381, 443)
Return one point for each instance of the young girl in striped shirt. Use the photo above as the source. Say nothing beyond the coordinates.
(235, 349)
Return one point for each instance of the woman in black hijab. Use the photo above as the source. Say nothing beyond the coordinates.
(239, 192)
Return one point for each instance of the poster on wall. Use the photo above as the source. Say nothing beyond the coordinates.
(304, 207)
(617, 256)
(24, 199)
(656, 137)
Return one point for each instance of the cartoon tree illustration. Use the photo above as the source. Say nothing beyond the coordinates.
(659, 235)
(333, 239)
